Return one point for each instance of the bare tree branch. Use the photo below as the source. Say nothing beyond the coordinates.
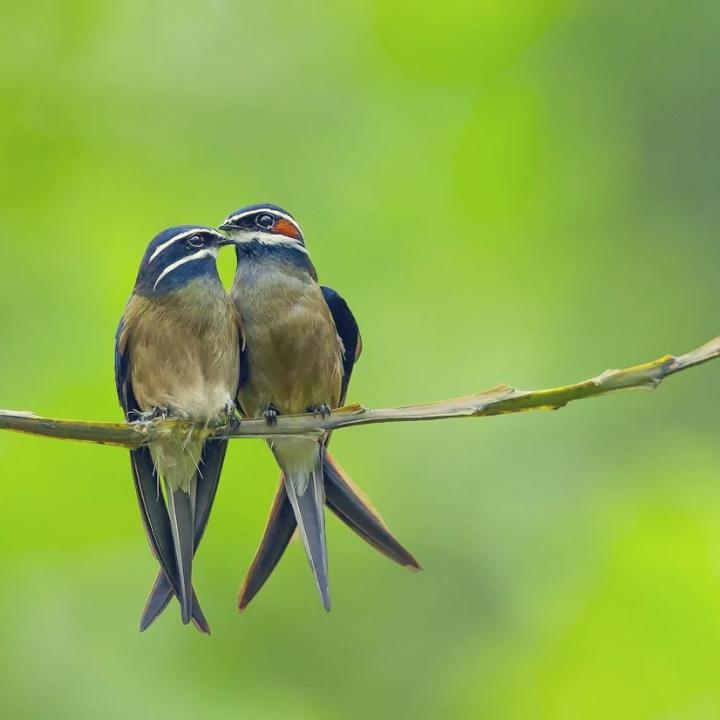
(497, 401)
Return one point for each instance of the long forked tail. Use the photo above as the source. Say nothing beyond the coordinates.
(347, 502)
(211, 463)
(157, 523)
(177, 460)
(307, 497)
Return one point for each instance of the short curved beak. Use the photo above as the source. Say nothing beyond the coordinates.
(227, 226)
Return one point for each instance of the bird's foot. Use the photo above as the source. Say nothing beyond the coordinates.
(230, 415)
(158, 413)
(228, 418)
(271, 414)
(322, 411)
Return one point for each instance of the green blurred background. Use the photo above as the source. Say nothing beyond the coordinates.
(505, 192)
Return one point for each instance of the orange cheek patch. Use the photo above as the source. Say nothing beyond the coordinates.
(283, 227)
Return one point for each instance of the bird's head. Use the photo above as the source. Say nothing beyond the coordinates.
(264, 224)
(179, 255)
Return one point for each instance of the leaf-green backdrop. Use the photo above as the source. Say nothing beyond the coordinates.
(505, 192)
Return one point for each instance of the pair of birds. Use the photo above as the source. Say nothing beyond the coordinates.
(280, 343)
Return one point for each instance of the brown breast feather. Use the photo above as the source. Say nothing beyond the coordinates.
(294, 353)
(184, 352)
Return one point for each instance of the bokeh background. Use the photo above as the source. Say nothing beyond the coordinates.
(505, 192)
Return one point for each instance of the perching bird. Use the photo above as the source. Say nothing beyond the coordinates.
(301, 343)
(178, 354)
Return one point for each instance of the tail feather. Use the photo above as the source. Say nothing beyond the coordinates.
(307, 497)
(347, 501)
(181, 510)
(211, 464)
(281, 525)
(154, 514)
(160, 597)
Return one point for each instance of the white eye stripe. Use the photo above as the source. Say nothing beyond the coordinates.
(265, 238)
(173, 240)
(269, 211)
(207, 252)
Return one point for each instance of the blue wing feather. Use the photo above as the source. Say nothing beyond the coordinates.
(125, 396)
(348, 331)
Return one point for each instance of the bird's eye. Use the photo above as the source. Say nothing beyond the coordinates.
(195, 242)
(265, 221)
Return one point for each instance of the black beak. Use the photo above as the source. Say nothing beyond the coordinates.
(221, 239)
(228, 226)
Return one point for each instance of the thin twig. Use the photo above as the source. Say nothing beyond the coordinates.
(497, 401)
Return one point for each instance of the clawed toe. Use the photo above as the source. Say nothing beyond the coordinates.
(159, 413)
(271, 414)
(231, 415)
(322, 411)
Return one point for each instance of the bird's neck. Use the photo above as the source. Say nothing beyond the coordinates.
(196, 300)
(255, 257)
(264, 278)
(151, 284)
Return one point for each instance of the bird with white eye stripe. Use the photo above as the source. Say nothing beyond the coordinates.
(178, 354)
(301, 342)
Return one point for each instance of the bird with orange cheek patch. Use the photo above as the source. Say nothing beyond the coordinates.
(301, 344)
